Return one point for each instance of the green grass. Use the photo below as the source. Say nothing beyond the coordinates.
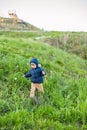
(65, 103)
(71, 42)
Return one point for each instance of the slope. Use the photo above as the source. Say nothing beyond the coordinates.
(71, 42)
(64, 106)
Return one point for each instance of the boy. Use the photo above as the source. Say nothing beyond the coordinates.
(36, 75)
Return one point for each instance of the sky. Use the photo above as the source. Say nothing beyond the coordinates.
(50, 15)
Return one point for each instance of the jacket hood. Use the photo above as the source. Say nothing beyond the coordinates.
(34, 60)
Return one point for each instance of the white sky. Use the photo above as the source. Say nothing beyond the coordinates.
(59, 15)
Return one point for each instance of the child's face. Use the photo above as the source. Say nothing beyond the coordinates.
(33, 65)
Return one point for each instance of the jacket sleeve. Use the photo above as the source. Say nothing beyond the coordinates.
(28, 75)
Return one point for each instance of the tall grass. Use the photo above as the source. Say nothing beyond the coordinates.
(64, 103)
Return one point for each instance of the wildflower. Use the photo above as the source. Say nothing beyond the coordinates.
(15, 78)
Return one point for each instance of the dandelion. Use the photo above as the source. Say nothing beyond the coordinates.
(17, 66)
(15, 78)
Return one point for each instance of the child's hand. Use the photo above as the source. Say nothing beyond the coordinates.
(43, 72)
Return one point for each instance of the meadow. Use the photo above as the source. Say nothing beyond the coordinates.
(64, 103)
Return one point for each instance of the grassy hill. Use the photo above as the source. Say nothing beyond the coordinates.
(71, 42)
(64, 106)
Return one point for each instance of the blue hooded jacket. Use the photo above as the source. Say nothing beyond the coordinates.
(35, 74)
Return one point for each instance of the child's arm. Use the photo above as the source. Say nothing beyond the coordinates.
(42, 70)
(27, 75)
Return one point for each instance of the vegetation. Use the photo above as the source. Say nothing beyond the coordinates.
(64, 104)
(71, 42)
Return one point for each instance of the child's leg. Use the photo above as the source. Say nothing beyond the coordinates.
(40, 97)
(40, 87)
(32, 94)
(32, 91)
